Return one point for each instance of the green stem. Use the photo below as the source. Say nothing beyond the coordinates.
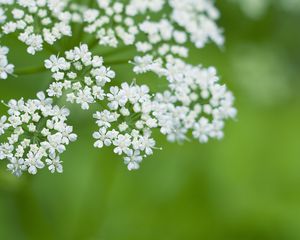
(93, 44)
(117, 62)
(116, 50)
(30, 70)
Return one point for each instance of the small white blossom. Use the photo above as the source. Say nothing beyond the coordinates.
(5, 67)
(56, 64)
(54, 164)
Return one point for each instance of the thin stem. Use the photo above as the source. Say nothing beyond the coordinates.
(116, 50)
(30, 70)
(93, 44)
(80, 34)
(118, 62)
(50, 48)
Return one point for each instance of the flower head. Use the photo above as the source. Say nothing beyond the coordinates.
(127, 122)
(36, 133)
(188, 102)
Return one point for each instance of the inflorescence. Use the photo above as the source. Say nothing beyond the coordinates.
(193, 103)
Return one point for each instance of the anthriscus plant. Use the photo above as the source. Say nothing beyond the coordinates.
(194, 104)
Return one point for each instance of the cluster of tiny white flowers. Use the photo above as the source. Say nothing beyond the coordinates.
(80, 74)
(36, 134)
(141, 7)
(35, 21)
(197, 17)
(126, 123)
(110, 23)
(115, 22)
(193, 103)
(195, 99)
(5, 67)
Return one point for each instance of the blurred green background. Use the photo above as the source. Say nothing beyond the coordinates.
(245, 187)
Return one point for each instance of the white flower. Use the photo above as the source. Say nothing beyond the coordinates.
(103, 138)
(3, 125)
(37, 134)
(105, 118)
(146, 144)
(82, 53)
(133, 160)
(5, 67)
(116, 98)
(2, 16)
(188, 101)
(55, 64)
(202, 130)
(54, 164)
(146, 64)
(16, 166)
(122, 143)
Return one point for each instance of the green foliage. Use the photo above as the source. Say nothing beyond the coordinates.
(243, 188)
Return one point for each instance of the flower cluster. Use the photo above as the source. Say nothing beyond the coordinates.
(197, 17)
(36, 134)
(110, 23)
(35, 22)
(192, 103)
(114, 23)
(195, 101)
(80, 75)
(5, 67)
(126, 123)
